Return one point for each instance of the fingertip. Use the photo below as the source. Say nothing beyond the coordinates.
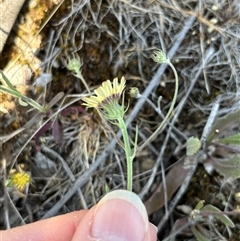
(60, 228)
(120, 215)
(152, 232)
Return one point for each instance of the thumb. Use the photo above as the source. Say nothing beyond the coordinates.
(119, 216)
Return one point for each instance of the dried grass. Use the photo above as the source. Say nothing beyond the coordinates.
(202, 39)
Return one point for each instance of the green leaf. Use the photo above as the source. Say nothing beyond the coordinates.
(8, 183)
(33, 103)
(7, 81)
(234, 140)
(228, 167)
(221, 216)
(199, 205)
(107, 189)
(22, 103)
(193, 145)
(223, 122)
(198, 235)
(10, 91)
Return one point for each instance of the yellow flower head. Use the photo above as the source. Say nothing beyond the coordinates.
(107, 98)
(106, 93)
(19, 180)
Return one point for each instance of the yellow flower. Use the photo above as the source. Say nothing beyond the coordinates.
(19, 180)
(107, 98)
(106, 93)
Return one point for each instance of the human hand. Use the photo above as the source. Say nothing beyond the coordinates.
(119, 216)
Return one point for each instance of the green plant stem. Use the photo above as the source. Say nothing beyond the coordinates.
(128, 152)
(79, 76)
(155, 133)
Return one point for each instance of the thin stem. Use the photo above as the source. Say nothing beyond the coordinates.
(79, 76)
(169, 111)
(128, 152)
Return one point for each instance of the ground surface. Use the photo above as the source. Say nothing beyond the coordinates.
(115, 39)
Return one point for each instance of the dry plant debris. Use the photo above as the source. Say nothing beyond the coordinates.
(115, 39)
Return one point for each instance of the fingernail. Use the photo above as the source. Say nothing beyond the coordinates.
(120, 216)
(154, 227)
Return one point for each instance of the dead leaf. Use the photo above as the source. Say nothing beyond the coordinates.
(174, 180)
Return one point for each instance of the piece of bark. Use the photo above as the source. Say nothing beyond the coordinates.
(9, 10)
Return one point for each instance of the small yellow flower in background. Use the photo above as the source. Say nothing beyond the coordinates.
(107, 98)
(19, 180)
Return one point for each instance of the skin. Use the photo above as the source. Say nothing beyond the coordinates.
(49, 229)
(75, 226)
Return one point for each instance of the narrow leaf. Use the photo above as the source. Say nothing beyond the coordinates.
(228, 167)
(198, 235)
(11, 92)
(221, 217)
(33, 104)
(199, 205)
(107, 189)
(22, 103)
(234, 140)
(174, 180)
(223, 123)
(7, 81)
(58, 97)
